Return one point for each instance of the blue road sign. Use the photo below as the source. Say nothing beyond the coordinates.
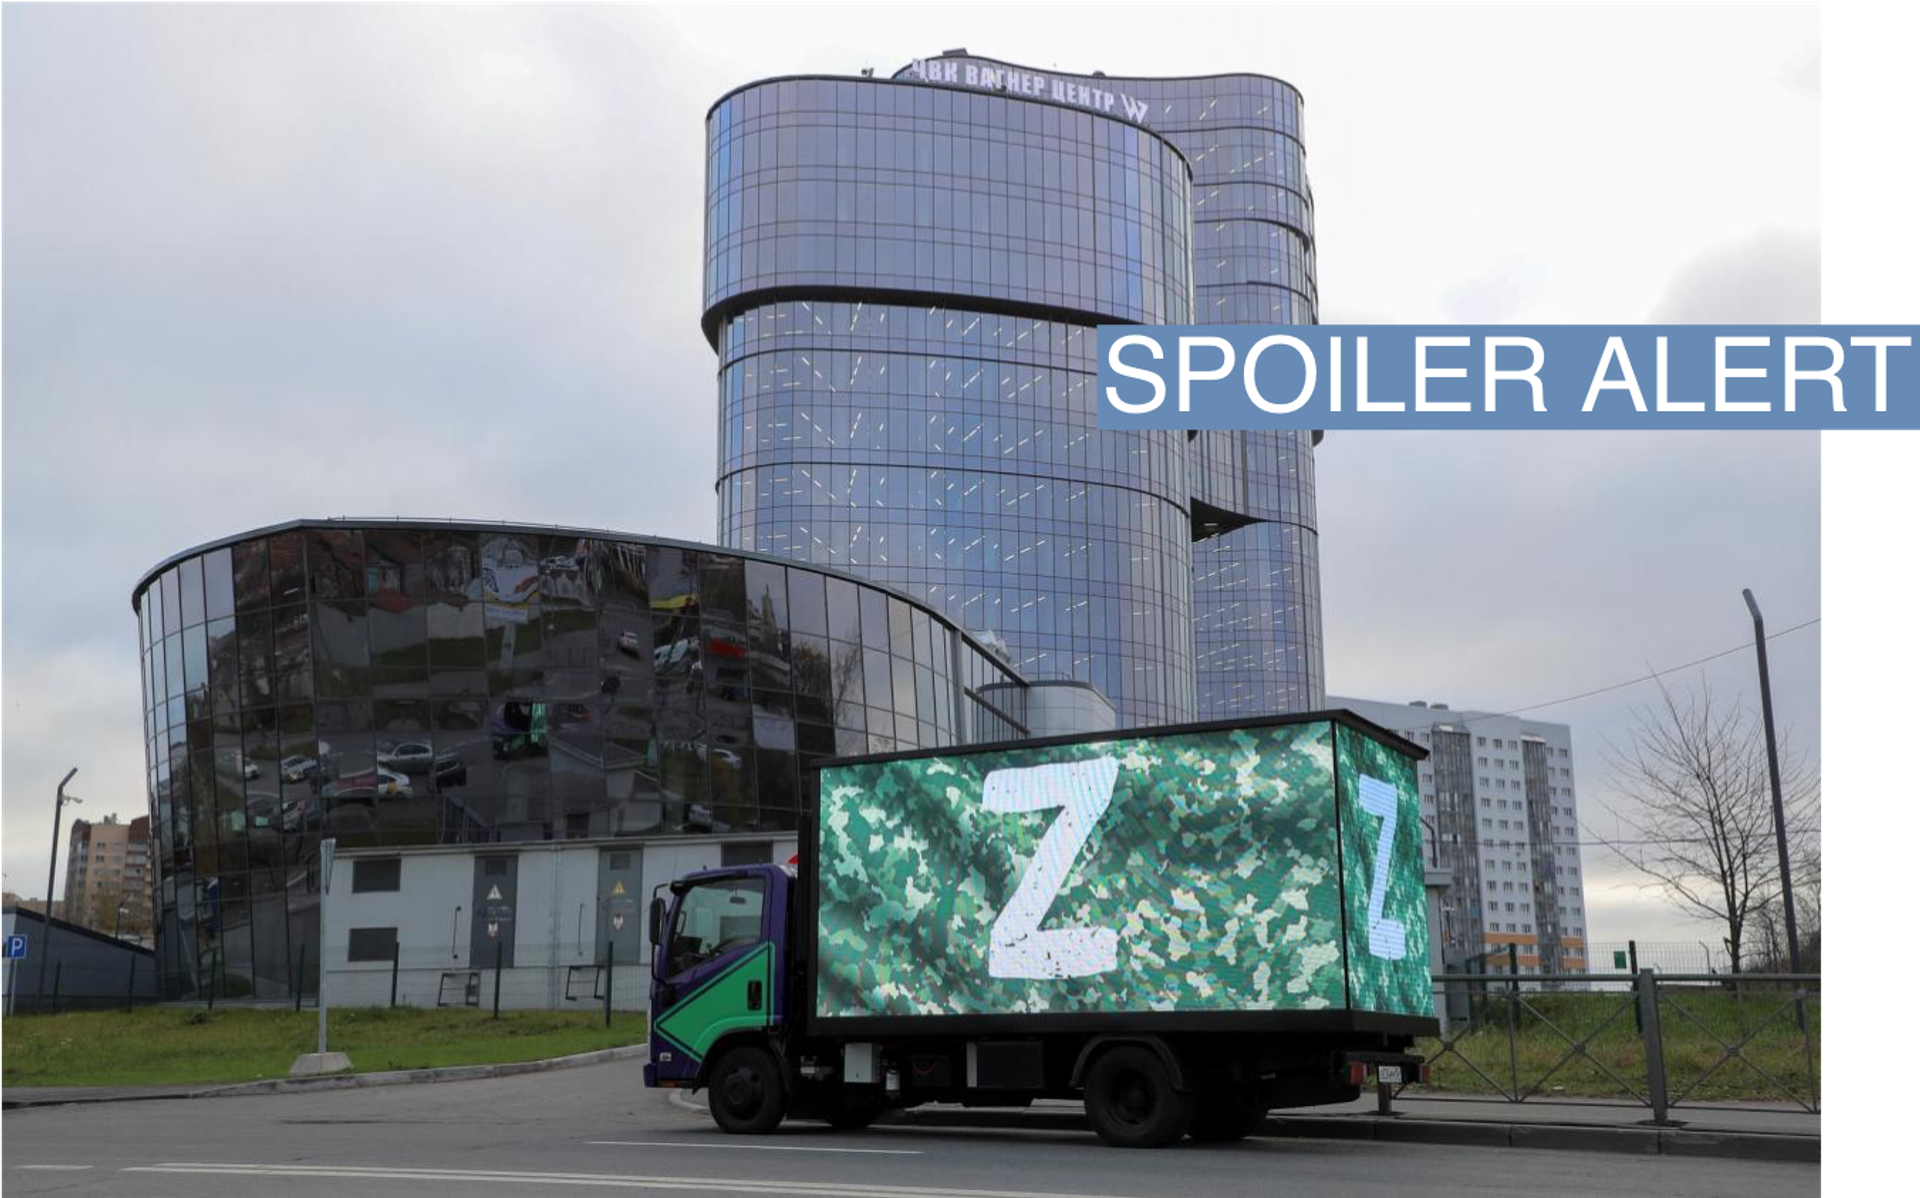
(16, 947)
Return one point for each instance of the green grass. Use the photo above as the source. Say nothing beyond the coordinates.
(1689, 1021)
(180, 1045)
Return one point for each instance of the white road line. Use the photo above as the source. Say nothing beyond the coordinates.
(756, 1147)
(753, 1185)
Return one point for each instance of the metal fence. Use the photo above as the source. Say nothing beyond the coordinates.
(1665, 1041)
(81, 983)
(522, 976)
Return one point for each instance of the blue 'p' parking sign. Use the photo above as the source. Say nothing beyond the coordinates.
(16, 947)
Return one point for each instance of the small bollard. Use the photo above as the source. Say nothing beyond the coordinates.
(499, 955)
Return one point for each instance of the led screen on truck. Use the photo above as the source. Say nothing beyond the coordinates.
(1192, 871)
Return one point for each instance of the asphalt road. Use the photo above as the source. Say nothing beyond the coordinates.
(596, 1129)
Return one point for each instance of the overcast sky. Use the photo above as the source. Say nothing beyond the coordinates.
(280, 261)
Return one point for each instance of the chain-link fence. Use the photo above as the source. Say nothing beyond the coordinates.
(1661, 956)
(1660, 1040)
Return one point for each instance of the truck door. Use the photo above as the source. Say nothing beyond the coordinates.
(719, 974)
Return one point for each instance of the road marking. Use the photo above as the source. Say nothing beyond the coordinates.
(51, 1168)
(754, 1185)
(757, 1147)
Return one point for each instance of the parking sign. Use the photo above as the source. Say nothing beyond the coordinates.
(16, 947)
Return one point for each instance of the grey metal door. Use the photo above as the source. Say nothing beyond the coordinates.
(495, 886)
(622, 906)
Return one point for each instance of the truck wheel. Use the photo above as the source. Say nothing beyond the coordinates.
(1222, 1118)
(747, 1094)
(1131, 1100)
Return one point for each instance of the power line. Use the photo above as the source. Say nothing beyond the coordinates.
(1494, 715)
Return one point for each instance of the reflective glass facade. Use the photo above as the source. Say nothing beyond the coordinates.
(388, 683)
(903, 281)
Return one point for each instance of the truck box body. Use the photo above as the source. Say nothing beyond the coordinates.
(1209, 876)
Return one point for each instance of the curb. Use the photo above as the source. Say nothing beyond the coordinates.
(1760, 1146)
(353, 1081)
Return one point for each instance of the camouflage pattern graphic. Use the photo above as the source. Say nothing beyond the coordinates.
(1402, 985)
(1216, 865)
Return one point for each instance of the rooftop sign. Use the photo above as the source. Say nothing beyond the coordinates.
(1061, 90)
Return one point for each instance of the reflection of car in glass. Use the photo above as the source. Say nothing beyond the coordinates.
(700, 818)
(681, 655)
(248, 769)
(297, 768)
(518, 728)
(354, 815)
(449, 770)
(298, 812)
(629, 643)
(263, 808)
(407, 757)
(378, 782)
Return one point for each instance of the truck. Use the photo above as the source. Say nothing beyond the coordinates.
(1183, 927)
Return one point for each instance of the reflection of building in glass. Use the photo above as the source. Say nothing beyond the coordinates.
(388, 683)
(902, 283)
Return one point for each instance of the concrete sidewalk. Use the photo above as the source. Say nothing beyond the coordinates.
(1751, 1131)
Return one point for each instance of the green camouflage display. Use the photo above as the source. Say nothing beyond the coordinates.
(1215, 866)
(1399, 984)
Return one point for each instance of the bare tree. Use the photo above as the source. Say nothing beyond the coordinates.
(1697, 817)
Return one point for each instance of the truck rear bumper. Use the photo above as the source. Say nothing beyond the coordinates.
(1354, 1067)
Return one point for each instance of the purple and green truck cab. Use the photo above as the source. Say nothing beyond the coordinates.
(718, 966)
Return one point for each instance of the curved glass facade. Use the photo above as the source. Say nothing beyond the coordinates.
(1256, 589)
(902, 283)
(389, 683)
(867, 185)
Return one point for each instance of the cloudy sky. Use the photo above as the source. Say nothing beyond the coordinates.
(279, 261)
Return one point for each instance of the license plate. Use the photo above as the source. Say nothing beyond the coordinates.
(1390, 1074)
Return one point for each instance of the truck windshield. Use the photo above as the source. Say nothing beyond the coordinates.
(715, 918)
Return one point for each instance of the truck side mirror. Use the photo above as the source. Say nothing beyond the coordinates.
(656, 911)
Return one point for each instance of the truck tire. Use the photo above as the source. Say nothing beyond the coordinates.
(1131, 1101)
(747, 1093)
(1225, 1117)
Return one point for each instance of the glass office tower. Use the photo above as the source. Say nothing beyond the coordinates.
(903, 280)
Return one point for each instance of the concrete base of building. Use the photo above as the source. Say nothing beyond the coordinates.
(314, 1064)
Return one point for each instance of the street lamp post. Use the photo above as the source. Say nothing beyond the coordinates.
(60, 800)
(1773, 775)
